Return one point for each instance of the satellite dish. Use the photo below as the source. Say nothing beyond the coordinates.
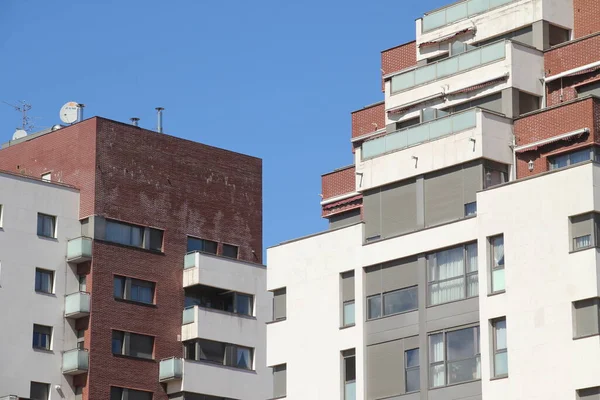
(19, 133)
(68, 112)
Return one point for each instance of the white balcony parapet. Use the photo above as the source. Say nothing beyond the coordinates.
(75, 362)
(79, 250)
(77, 305)
(170, 369)
(459, 11)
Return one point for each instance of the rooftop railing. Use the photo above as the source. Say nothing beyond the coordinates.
(457, 12)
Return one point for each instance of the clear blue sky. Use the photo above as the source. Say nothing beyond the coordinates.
(272, 78)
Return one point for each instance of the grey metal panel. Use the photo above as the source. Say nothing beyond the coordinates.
(454, 308)
(444, 196)
(398, 208)
(472, 182)
(420, 202)
(453, 321)
(279, 380)
(492, 102)
(528, 102)
(399, 274)
(392, 327)
(385, 363)
(586, 317)
(470, 391)
(348, 286)
(372, 213)
(593, 88)
(373, 280)
(411, 343)
(592, 393)
(344, 219)
(581, 225)
(524, 35)
(279, 304)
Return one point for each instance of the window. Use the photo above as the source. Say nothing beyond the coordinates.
(228, 354)
(586, 317)
(80, 339)
(279, 304)
(46, 225)
(133, 289)
(82, 283)
(203, 245)
(396, 302)
(347, 283)
(454, 357)
(349, 374)
(42, 337)
(592, 393)
(132, 344)
(412, 374)
(280, 380)
(122, 233)
(156, 239)
(453, 274)
(500, 350)
(589, 89)
(44, 281)
(230, 251)
(219, 299)
(564, 160)
(47, 176)
(471, 209)
(39, 391)
(243, 304)
(0, 215)
(495, 177)
(497, 262)
(582, 231)
(117, 393)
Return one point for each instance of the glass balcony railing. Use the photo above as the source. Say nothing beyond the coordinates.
(421, 133)
(456, 12)
(350, 391)
(75, 361)
(77, 305)
(170, 369)
(188, 315)
(189, 260)
(79, 249)
(449, 66)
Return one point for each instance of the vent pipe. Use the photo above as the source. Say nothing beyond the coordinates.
(80, 112)
(134, 121)
(159, 111)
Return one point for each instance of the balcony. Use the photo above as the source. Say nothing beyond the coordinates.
(79, 250)
(75, 362)
(444, 142)
(77, 305)
(170, 369)
(205, 323)
(460, 11)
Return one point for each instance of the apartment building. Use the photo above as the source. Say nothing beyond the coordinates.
(461, 258)
(147, 266)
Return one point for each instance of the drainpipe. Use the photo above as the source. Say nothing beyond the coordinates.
(159, 126)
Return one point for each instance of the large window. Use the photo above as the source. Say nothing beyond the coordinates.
(228, 354)
(347, 286)
(39, 391)
(118, 393)
(565, 160)
(203, 245)
(349, 374)
(412, 372)
(122, 233)
(46, 225)
(497, 263)
(454, 357)
(390, 303)
(44, 281)
(134, 289)
(453, 274)
(219, 299)
(42, 337)
(586, 317)
(132, 344)
(500, 348)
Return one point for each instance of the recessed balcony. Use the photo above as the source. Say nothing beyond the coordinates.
(170, 369)
(75, 362)
(205, 323)
(77, 305)
(79, 250)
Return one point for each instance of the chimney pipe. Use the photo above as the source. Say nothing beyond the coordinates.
(159, 111)
(134, 121)
(80, 112)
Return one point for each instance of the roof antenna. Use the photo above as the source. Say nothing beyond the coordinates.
(26, 123)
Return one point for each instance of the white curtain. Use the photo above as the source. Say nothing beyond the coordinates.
(123, 234)
(472, 268)
(446, 265)
(499, 252)
(436, 355)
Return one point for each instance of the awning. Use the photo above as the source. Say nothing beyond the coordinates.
(566, 136)
(584, 69)
(480, 85)
(447, 38)
(408, 106)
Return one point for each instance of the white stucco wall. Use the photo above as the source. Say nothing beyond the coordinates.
(21, 251)
(542, 281)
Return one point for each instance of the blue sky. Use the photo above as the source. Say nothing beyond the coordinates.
(271, 78)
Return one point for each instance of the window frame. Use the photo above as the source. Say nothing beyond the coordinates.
(39, 337)
(347, 355)
(1, 215)
(382, 303)
(346, 323)
(204, 242)
(41, 271)
(493, 266)
(407, 369)
(228, 352)
(275, 369)
(465, 275)
(124, 392)
(232, 247)
(46, 387)
(126, 290)
(595, 303)
(125, 344)
(552, 165)
(472, 207)
(495, 350)
(131, 227)
(44, 219)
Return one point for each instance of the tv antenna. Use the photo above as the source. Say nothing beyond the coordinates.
(23, 108)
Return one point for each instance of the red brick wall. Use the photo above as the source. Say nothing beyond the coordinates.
(572, 55)
(363, 120)
(399, 57)
(338, 182)
(68, 153)
(587, 17)
(553, 122)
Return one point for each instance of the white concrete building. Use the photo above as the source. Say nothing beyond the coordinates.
(460, 263)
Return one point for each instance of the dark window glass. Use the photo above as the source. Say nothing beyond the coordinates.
(42, 336)
(44, 280)
(206, 246)
(156, 239)
(46, 225)
(122, 233)
(413, 376)
(119, 287)
(39, 391)
(350, 368)
(142, 291)
(243, 304)
(230, 251)
(116, 393)
(212, 351)
(117, 342)
(374, 307)
(140, 346)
